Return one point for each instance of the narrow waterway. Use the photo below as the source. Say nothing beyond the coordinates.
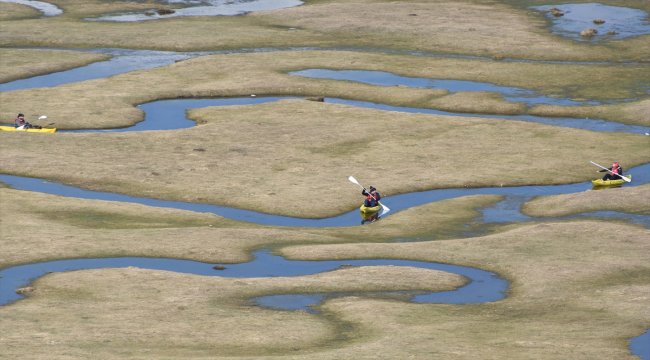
(170, 114)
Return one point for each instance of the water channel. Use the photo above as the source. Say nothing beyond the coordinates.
(170, 114)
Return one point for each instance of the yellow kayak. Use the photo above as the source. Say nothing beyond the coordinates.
(369, 210)
(617, 182)
(42, 130)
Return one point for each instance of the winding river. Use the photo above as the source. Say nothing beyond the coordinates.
(483, 286)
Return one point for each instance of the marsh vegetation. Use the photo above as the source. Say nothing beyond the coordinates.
(578, 288)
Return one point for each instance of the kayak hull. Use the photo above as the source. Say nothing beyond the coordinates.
(42, 130)
(605, 183)
(369, 210)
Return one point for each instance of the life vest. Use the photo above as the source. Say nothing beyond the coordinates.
(616, 169)
(373, 196)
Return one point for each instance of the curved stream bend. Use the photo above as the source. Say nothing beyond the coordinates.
(505, 211)
(484, 286)
(490, 288)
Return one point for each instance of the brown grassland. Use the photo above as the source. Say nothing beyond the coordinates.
(24, 63)
(634, 200)
(475, 27)
(110, 102)
(579, 289)
(280, 154)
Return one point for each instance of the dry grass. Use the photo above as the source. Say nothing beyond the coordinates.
(87, 314)
(465, 27)
(9, 11)
(109, 102)
(625, 199)
(24, 63)
(636, 113)
(279, 154)
(579, 290)
(477, 102)
(54, 227)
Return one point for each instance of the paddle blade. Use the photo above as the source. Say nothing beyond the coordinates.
(384, 209)
(627, 179)
(353, 180)
(42, 117)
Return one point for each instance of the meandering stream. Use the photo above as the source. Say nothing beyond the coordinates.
(170, 114)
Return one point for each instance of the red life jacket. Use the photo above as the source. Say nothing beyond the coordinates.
(616, 169)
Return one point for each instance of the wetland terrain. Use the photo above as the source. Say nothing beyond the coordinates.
(195, 203)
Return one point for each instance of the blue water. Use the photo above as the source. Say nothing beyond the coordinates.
(205, 8)
(44, 7)
(382, 78)
(515, 197)
(575, 123)
(483, 286)
(640, 345)
(121, 61)
(625, 22)
(170, 114)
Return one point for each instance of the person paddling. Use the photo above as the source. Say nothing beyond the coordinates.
(21, 123)
(613, 173)
(372, 197)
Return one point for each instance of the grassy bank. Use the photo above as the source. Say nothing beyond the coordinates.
(472, 27)
(279, 154)
(109, 102)
(25, 63)
(54, 227)
(632, 200)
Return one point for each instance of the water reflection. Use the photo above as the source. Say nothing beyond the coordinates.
(619, 22)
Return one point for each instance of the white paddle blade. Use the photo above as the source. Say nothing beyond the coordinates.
(353, 180)
(42, 117)
(384, 209)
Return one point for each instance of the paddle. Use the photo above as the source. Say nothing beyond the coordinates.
(604, 168)
(384, 208)
(42, 117)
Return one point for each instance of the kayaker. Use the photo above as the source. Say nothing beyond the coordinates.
(20, 122)
(372, 197)
(613, 172)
